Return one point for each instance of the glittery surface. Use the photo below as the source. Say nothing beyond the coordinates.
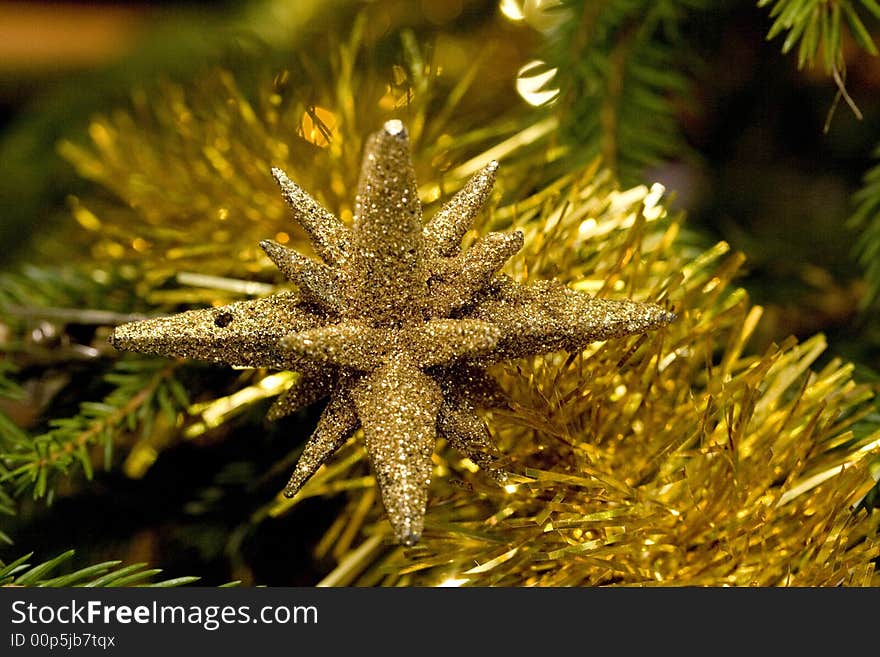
(459, 423)
(444, 231)
(396, 326)
(316, 382)
(547, 316)
(330, 237)
(336, 425)
(389, 283)
(454, 283)
(316, 281)
(245, 333)
(397, 404)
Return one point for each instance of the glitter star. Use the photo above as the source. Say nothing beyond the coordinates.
(396, 325)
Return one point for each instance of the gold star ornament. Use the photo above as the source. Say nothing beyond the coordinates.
(395, 325)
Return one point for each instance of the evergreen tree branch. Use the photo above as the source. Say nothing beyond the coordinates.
(866, 219)
(143, 389)
(9, 432)
(34, 287)
(7, 508)
(9, 389)
(56, 315)
(618, 62)
(815, 27)
(108, 573)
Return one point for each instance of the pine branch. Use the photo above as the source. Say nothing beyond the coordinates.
(9, 433)
(143, 390)
(57, 314)
(9, 389)
(619, 62)
(107, 573)
(816, 28)
(7, 508)
(63, 287)
(866, 219)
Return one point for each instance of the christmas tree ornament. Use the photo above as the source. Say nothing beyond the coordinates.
(396, 325)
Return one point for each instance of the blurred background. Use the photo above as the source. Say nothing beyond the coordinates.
(755, 149)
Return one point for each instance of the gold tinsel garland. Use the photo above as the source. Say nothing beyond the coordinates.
(187, 166)
(676, 458)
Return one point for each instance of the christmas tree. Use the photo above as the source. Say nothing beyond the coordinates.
(553, 293)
